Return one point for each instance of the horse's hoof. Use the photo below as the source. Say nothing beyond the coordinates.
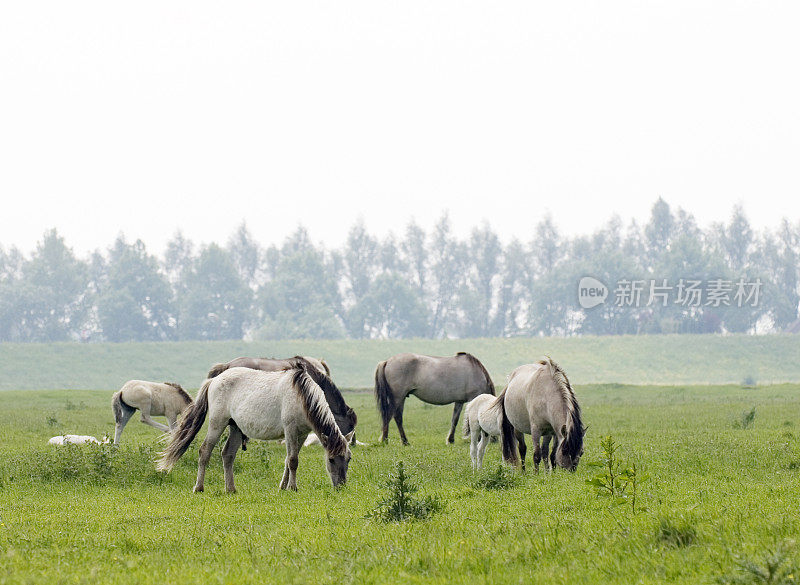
(197, 489)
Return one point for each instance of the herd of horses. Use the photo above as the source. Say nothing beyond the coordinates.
(266, 398)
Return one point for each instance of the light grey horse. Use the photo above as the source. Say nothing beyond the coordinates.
(539, 401)
(151, 399)
(436, 380)
(319, 370)
(262, 405)
(481, 423)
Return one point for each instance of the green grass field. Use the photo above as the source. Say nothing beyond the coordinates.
(644, 359)
(719, 499)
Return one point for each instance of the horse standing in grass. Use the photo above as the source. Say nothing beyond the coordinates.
(264, 405)
(436, 380)
(481, 423)
(277, 364)
(151, 399)
(266, 365)
(539, 401)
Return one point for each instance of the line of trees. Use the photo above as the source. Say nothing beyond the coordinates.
(419, 284)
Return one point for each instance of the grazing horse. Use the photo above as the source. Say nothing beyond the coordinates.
(481, 422)
(539, 401)
(436, 380)
(275, 365)
(266, 365)
(263, 405)
(151, 399)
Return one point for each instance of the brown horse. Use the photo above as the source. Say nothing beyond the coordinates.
(432, 379)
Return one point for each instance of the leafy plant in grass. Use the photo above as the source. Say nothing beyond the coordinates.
(776, 568)
(746, 419)
(678, 533)
(614, 478)
(400, 505)
(501, 478)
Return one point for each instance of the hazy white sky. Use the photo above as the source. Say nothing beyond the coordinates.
(149, 117)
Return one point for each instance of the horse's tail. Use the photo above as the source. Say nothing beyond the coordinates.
(507, 433)
(119, 407)
(191, 422)
(217, 369)
(465, 428)
(383, 394)
(318, 412)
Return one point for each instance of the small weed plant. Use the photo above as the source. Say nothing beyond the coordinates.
(400, 504)
(776, 568)
(676, 533)
(746, 419)
(615, 478)
(501, 478)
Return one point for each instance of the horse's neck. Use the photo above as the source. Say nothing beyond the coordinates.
(558, 406)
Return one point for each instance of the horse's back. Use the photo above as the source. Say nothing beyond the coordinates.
(436, 379)
(135, 393)
(526, 398)
(258, 401)
(481, 411)
(273, 364)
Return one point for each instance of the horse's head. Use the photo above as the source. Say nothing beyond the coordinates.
(570, 449)
(337, 467)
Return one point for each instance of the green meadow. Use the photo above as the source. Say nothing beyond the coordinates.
(626, 359)
(716, 500)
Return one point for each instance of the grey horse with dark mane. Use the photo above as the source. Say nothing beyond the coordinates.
(432, 379)
(265, 405)
(317, 369)
(266, 365)
(540, 402)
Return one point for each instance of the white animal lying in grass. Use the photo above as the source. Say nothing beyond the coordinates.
(77, 440)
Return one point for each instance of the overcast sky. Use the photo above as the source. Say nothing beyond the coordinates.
(149, 117)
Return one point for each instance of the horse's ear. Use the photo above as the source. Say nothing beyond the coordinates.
(323, 439)
(586, 428)
(563, 430)
(349, 436)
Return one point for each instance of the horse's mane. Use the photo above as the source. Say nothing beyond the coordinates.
(316, 408)
(333, 395)
(573, 441)
(180, 391)
(477, 363)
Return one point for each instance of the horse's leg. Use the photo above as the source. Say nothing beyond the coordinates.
(398, 418)
(484, 442)
(456, 414)
(548, 458)
(553, 455)
(215, 429)
(145, 410)
(293, 444)
(229, 454)
(172, 420)
(474, 437)
(118, 428)
(537, 448)
(523, 448)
